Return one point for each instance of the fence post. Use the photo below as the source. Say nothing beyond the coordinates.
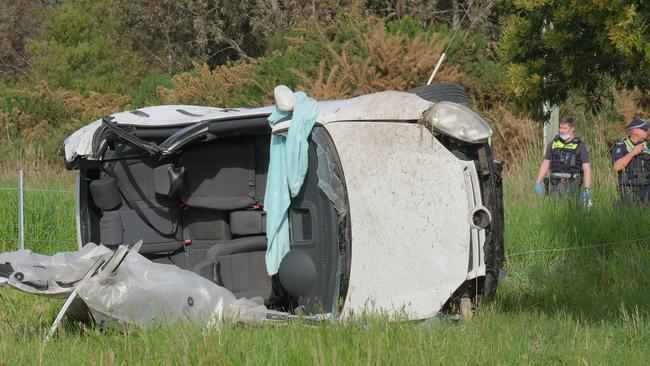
(21, 226)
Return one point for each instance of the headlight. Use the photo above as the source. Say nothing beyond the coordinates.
(457, 121)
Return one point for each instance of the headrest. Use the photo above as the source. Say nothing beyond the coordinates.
(105, 193)
(247, 222)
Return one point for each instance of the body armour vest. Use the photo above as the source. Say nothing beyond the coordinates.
(564, 158)
(637, 172)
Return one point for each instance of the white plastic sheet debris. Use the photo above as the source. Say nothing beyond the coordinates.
(127, 287)
(50, 276)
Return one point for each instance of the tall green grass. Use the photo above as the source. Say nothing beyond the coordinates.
(561, 257)
(495, 336)
(48, 215)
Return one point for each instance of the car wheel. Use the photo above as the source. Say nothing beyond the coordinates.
(441, 92)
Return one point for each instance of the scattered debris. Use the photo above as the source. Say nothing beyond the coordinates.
(123, 287)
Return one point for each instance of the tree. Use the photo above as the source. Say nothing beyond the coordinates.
(554, 47)
(171, 34)
(20, 22)
(76, 53)
(475, 16)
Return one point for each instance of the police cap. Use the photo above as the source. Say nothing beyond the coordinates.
(638, 123)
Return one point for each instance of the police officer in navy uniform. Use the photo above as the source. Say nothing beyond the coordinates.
(567, 159)
(631, 160)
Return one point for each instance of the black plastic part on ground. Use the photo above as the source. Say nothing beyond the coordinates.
(6, 270)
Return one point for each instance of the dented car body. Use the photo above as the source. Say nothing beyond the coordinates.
(400, 211)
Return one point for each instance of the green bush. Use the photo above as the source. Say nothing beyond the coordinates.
(145, 95)
(76, 54)
(44, 116)
(407, 26)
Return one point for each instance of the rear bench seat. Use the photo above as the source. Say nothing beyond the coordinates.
(201, 208)
(225, 179)
(220, 177)
(131, 210)
(239, 263)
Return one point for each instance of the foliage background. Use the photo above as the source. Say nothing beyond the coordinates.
(64, 63)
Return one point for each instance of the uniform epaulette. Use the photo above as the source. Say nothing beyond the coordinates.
(619, 142)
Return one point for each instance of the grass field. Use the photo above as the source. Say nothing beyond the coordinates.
(580, 297)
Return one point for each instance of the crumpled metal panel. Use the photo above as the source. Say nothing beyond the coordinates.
(130, 289)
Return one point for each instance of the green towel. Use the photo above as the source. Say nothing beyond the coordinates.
(287, 169)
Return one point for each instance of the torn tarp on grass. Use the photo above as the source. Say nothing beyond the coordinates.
(132, 290)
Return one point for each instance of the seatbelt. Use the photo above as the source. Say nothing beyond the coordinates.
(251, 171)
(185, 228)
(131, 202)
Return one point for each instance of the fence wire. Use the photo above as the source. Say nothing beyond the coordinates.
(583, 247)
(38, 190)
(49, 217)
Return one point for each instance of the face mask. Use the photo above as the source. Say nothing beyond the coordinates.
(565, 137)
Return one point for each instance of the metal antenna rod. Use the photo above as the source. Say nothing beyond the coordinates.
(444, 53)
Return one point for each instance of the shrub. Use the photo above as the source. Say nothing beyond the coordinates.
(222, 87)
(44, 116)
(75, 52)
(146, 94)
(513, 135)
(374, 59)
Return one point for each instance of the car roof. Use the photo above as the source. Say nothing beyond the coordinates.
(382, 106)
(388, 105)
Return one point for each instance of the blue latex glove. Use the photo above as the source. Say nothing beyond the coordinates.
(586, 197)
(538, 189)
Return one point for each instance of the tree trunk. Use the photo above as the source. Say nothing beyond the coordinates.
(455, 11)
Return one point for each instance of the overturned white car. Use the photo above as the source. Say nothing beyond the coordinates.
(400, 211)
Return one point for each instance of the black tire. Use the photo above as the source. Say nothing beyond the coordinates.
(441, 92)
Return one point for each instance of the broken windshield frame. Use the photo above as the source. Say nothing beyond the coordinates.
(193, 132)
(188, 134)
(183, 137)
(147, 146)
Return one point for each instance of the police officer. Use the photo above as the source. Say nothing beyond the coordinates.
(631, 160)
(568, 160)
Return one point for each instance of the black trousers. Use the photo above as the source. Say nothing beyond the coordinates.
(634, 194)
(563, 187)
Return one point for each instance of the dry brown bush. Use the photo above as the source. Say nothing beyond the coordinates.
(38, 122)
(49, 109)
(377, 61)
(626, 104)
(32, 160)
(513, 135)
(220, 87)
